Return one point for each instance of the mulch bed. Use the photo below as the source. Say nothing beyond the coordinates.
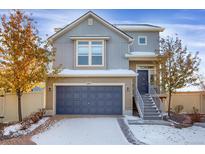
(186, 120)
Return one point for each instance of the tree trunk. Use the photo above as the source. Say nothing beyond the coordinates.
(19, 94)
(169, 103)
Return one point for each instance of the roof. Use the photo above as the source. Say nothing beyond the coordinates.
(141, 54)
(95, 73)
(139, 27)
(79, 20)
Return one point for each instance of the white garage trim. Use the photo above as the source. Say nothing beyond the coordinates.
(88, 84)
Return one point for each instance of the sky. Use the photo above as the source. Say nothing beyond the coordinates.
(189, 25)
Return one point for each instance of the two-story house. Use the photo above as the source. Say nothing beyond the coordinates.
(104, 66)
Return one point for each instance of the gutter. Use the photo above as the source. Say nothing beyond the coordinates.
(93, 75)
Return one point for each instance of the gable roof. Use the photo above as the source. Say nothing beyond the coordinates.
(77, 21)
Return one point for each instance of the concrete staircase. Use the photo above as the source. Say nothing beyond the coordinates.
(151, 111)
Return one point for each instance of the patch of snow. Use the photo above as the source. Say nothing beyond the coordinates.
(191, 88)
(36, 125)
(83, 131)
(127, 117)
(167, 135)
(11, 129)
(16, 129)
(111, 72)
(141, 54)
(139, 27)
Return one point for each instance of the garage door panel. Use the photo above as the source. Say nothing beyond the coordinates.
(101, 100)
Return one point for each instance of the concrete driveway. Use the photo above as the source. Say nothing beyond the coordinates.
(83, 131)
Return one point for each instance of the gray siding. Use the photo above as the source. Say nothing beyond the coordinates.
(152, 41)
(116, 46)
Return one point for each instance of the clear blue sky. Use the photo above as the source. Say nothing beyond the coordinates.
(188, 24)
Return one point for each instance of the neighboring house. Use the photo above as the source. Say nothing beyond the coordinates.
(101, 65)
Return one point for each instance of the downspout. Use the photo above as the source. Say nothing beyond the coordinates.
(129, 46)
(3, 108)
(201, 101)
(4, 105)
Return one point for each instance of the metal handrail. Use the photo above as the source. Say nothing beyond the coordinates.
(139, 103)
(155, 97)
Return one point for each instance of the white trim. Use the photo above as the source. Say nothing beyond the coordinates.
(90, 13)
(138, 38)
(141, 54)
(90, 53)
(128, 55)
(89, 37)
(94, 73)
(89, 84)
(139, 28)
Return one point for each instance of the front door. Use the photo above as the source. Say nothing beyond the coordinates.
(142, 81)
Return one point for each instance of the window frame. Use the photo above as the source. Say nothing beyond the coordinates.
(145, 37)
(90, 53)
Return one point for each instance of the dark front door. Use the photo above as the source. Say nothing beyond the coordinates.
(94, 100)
(142, 81)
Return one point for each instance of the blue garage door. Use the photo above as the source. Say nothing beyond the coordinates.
(91, 100)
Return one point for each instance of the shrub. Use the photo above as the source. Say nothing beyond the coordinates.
(196, 117)
(178, 108)
(33, 118)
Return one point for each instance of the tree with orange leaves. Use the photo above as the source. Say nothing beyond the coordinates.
(24, 57)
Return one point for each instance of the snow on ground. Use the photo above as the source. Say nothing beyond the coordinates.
(11, 129)
(128, 117)
(36, 125)
(16, 129)
(86, 131)
(166, 135)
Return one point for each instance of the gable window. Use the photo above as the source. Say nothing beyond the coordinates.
(142, 40)
(90, 53)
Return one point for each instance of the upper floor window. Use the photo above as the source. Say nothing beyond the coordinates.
(90, 53)
(142, 40)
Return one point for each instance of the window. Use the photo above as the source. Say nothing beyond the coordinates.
(142, 40)
(90, 21)
(90, 53)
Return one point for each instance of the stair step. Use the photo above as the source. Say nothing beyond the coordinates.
(150, 107)
(148, 102)
(150, 110)
(151, 118)
(146, 98)
(152, 114)
(151, 104)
